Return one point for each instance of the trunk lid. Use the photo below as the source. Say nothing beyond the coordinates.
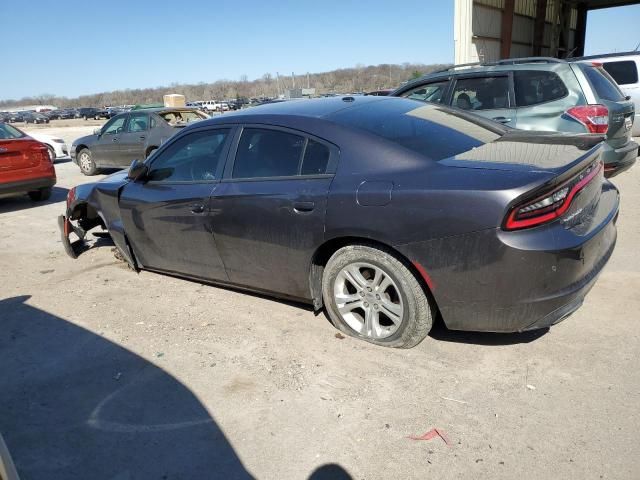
(568, 165)
(21, 153)
(518, 150)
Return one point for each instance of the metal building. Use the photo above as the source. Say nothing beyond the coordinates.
(488, 30)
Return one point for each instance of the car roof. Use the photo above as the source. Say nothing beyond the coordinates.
(532, 63)
(315, 107)
(634, 53)
(322, 109)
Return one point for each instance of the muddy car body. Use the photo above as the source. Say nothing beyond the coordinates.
(411, 209)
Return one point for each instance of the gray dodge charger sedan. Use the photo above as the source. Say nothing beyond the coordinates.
(384, 211)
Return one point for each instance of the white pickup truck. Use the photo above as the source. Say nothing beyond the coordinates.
(212, 106)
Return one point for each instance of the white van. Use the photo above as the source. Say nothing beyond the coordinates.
(625, 70)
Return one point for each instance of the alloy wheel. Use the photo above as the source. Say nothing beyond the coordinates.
(368, 300)
(85, 161)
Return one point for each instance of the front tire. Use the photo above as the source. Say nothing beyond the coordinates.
(370, 294)
(86, 163)
(40, 195)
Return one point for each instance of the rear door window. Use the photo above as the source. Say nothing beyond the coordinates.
(431, 92)
(316, 158)
(481, 93)
(603, 84)
(268, 153)
(534, 86)
(623, 72)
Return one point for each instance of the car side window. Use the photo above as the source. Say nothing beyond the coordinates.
(138, 122)
(316, 158)
(192, 158)
(114, 126)
(482, 93)
(267, 153)
(535, 86)
(624, 72)
(432, 92)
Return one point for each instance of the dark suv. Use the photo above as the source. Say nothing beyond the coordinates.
(129, 136)
(539, 94)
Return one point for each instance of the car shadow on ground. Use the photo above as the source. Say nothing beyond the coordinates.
(23, 202)
(74, 405)
(60, 160)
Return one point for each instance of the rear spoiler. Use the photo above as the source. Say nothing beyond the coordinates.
(584, 141)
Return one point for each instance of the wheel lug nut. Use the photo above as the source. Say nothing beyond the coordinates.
(366, 304)
(362, 294)
(375, 305)
(369, 289)
(377, 297)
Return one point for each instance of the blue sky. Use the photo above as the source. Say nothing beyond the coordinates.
(76, 47)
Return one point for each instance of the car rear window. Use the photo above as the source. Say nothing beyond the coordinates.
(536, 86)
(624, 72)
(7, 132)
(603, 84)
(429, 130)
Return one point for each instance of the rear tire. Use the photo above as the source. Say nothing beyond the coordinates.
(40, 195)
(371, 294)
(86, 163)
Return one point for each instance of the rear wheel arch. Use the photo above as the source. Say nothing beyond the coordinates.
(327, 249)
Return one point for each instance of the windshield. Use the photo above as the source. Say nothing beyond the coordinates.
(7, 132)
(429, 130)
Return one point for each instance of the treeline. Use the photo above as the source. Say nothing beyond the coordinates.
(346, 80)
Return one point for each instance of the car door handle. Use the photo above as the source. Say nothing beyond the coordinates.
(142, 137)
(197, 208)
(303, 207)
(114, 139)
(501, 119)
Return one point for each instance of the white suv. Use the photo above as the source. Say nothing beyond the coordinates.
(624, 68)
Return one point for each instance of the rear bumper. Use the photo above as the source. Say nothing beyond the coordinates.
(620, 159)
(27, 185)
(499, 281)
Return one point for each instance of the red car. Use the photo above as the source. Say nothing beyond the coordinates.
(25, 165)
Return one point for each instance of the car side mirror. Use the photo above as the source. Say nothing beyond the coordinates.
(137, 170)
(97, 131)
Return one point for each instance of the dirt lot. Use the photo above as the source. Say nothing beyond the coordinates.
(109, 374)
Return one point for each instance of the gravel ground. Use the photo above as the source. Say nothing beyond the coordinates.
(109, 374)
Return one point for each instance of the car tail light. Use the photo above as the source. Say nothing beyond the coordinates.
(550, 205)
(594, 117)
(71, 196)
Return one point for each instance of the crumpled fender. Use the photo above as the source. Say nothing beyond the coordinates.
(93, 204)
